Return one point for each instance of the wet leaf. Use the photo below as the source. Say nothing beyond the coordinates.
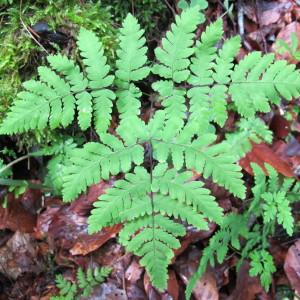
(292, 266)
(261, 154)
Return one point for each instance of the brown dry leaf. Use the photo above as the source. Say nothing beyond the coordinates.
(133, 276)
(280, 126)
(193, 235)
(285, 35)
(20, 255)
(20, 215)
(247, 287)
(108, 291)
(206, 287)
(173, 287)
(134, 272)
(152, 293)
(289, 153)
(269, 12)
(261, 154)
(66, 226)
(89, 243)
(292, 266)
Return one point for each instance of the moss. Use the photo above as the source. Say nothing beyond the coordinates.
(153, 15)
(21, 55)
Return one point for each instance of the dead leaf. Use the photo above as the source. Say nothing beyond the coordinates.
(20, 215)
(206, 287)
(268, 12)
(134, 272)
(193, 235)
(247, 287)
(19, 255)
(66, 226)
(261, 154)
(285, 35)
(89, 243)
(173, 287)
(108, 291)
(280, 126)
(292, 266)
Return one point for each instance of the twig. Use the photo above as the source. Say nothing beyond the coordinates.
(258, 17)
(15, 162)
(240, 16)
(28, 31)
(171, 8)
(19, 182)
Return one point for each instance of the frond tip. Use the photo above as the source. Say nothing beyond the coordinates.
(63, 89)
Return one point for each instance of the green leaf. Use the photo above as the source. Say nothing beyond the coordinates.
(262, 265)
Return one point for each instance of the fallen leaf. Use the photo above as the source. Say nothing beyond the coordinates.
(173, 287)
(15, 217)
(247, 287)
(134, 272)
(19, 255)
(261, 154)
(206, 286)
(66, 226)
(292, 266)
(280, 126)
(108, 291)
(193, 235)
(89, 243)
(285, 35)
(268, 12)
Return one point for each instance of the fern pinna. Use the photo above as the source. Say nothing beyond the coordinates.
(195, 81)
(272, 200)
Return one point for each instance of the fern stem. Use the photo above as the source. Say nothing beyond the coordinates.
(17, 182)
(151, 193)
(15, 162)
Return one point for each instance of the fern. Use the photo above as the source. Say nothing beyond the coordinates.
(62, 88)
(262, 264)
(67, 290)
(55, 167)
(172, 194)
(85, 282)
(271, 202)
(154, 161)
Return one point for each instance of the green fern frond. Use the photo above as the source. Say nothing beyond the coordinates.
(55, 166)
(119, 198)
(211, 160)
(208, 67)
(67, 289)
(177, 47)
(153, 238)
(131, 67)
(173, 64)
(273, 179)
(54, 97)
(262, 264)
(145, 203)
(84, 284)
(96, 161)
(178, 186)
(91, 278)
(258, 80)
(196, 82)
(233, 227)
(249, 130)
(277, 207)
(173, 100)
(260, 181)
